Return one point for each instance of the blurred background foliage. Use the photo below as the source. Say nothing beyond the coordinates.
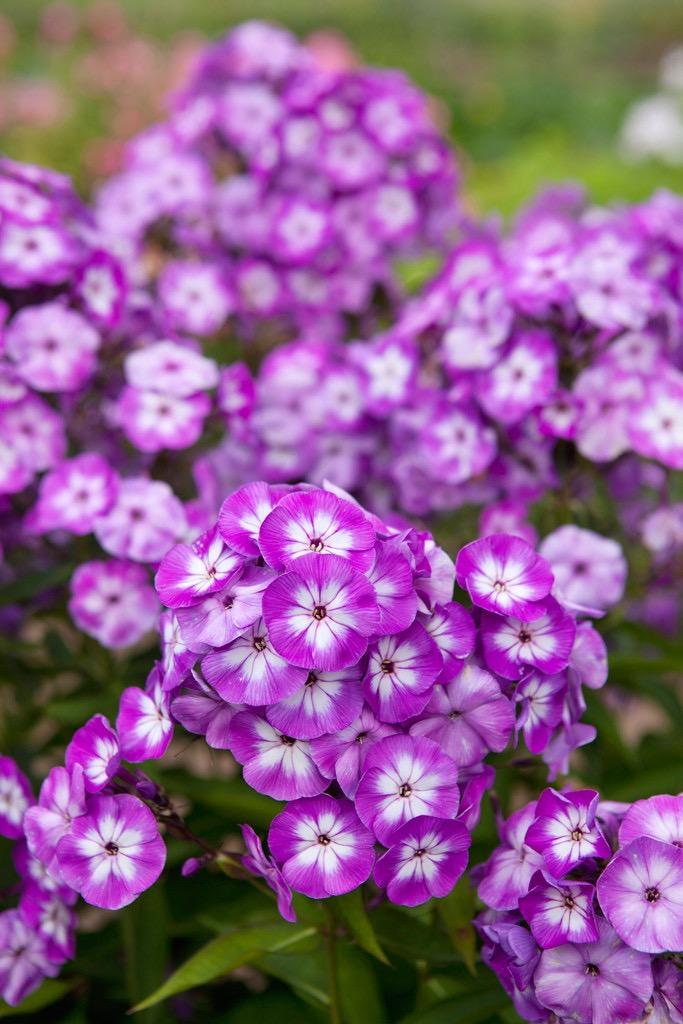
(535, 91)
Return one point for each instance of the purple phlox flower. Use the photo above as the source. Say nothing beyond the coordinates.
(74, 494)
(24, 960)
(452, 629)
(145, 520)
(425, 859)
(521, 380)
(34, 873)
(589, 570)
(15, 798)
(170, 369)
(258, 863)
(656, 424)
(504, 574)
(61, 800)
(320, 613)
(511, 866)
(541, 699)
(641, 895)
(221, 617)
(195, 297)
(392, 579)
(112, 853)
(400, 674)
(54, 348)
(468, 717)
(326, 703)
(559, 912)
(95, 748)
(53, 920)
(602, 982)
(316, 521)
(659, 817)
(249, 671)
(113, 601)
(274, 763)
(404, 777)
(153, 422)
(201, 711)
(510, 950)
(322, 846)
(512, 646)
(189, 573)
(144, 722)
(342, 755)
(564, 831)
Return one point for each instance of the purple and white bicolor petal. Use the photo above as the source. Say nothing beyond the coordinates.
(453, 631)
(144, 722)
(322, 846)
(320, 522)
(512, 646)
(189, 573)
(241, 516)
(509, 869)
(320, 613)
(273, 763)
(659, 817)
(112, 853)
(392, 578)
(503, 574)
(342, 755)
(541, 700)
(425, 859)
(564, 831)
(221, 617)
(401, 672)
(326, 703)
(559, 912)
(405, 777)
(641, 895)
(95, 747)
(249, 671)
(61, 800)
(468, 718)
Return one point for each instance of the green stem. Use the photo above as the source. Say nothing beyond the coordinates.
(333, 979)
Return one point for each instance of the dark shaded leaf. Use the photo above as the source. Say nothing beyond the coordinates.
(351, 911)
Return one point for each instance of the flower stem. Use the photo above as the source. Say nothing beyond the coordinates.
(333, 978)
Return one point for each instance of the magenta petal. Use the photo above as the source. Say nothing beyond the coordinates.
(426, 858)
(320, 613)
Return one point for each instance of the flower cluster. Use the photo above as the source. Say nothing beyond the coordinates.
(324, 650)
(282, 189)
(584, 913)
(60, 293)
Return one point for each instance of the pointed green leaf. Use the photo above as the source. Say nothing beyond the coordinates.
(351, 911)
(226, 952)
(456, 912)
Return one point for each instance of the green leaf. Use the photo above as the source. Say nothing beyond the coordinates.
(456, 912)
(408, 937)
(48, 993)
(231, 798)
(351, 911)
(225, 953)
(469, 1009)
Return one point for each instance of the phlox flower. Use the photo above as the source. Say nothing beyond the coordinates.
(322, 846)
(113, 601)
(342, 755)
(426, 857)
(559, 912)
(504, 574)
(401, 671)
(256, 861)
(273, 763)
(512, 646)
(60, 801)
(659, 817)
(24, 960)
(144, 723)
(113, 852)
(564, 830)
(95, 749)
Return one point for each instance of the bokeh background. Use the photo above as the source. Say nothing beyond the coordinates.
(534, 91)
